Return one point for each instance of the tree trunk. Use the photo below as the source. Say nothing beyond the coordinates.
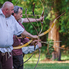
(54, 34)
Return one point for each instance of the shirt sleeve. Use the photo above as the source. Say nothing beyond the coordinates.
(29, 49)
(17, 28)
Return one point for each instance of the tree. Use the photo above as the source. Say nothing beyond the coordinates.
(54, 33)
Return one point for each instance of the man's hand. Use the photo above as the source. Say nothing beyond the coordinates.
(35, 37)
(34, 42)
(39, 44)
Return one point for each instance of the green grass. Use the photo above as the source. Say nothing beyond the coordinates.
(65, 57)
(42, 57)
(34, 58)
(33, 61)
(47, 66)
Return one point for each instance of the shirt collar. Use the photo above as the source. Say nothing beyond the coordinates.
(1, 11)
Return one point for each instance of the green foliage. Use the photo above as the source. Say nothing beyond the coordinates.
(64, 21)
(65, 39)
(50, 49)
(2, 1)
(64, 24)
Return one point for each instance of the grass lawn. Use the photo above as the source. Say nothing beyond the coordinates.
(32, 62)
(47, 66)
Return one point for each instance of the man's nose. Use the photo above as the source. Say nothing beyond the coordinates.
(21, 16)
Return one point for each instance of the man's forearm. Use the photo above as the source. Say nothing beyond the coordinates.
(25, 33)
(31, 20)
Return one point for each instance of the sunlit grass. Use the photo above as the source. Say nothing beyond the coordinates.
(33, 61)
(47, 66)
(34, 58)
(65, 57)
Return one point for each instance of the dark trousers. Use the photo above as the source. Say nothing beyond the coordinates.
(7, 63)
(0, 66)
(18, 62)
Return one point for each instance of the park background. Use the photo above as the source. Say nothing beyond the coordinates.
(55, 44)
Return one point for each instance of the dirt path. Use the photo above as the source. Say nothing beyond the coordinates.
(46, 61)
